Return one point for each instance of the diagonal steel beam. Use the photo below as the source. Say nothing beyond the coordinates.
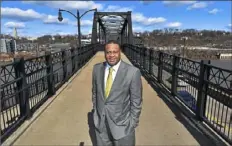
(103, 27)
(124, 26)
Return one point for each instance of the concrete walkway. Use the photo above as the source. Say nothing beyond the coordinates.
(66, 121)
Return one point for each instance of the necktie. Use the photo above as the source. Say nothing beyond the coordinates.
(109, 82)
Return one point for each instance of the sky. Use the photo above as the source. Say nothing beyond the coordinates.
(37, 18)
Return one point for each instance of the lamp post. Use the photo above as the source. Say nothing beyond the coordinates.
(78, 17)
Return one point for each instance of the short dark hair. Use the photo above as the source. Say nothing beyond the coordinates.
(112, 42)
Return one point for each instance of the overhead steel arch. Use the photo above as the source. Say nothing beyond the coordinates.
(112, 26)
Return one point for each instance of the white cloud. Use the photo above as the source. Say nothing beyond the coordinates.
(9, 30)
(83, 23)
(59, 32)
(174, 24)
(50, 19)
(178, 3)
(29, 15)
(23, 15)
(229, 26)
(81, 5)
(86, 30)
(14, 25)
(86, 22)
(138, 29)
(114, 8)
(214, 11)
(140, 18)
(63, 33)
(198, 5)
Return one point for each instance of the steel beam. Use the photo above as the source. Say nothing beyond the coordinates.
(112, 13)
(94, 29)
(130, 32)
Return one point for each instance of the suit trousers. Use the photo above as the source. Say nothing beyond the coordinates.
(105, 138)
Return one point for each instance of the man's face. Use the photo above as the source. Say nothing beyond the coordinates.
(112, 54)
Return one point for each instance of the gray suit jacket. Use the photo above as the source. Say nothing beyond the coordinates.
(122, 108)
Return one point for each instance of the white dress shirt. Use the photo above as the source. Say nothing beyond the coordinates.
(115, 69)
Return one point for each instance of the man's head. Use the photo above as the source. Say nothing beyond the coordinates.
(112, 52)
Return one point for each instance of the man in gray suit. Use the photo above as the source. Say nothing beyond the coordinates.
(117, 98)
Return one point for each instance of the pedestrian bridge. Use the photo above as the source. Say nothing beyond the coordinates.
(65, 118)
(46, 100)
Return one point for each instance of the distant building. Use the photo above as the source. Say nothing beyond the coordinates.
(224, 55)
(8, 45)
(85, 42)
(137, 34)
(89, 36)
(15, 33)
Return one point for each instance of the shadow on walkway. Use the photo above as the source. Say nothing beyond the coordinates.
(91, 128)
(199, 131)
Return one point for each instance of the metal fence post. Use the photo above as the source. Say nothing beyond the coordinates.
(160, 67)
(84, 55)
(77, 59)
(137, 55)
(81, 56)
(80, 50)
(89, 53)
(131, 53)
(23, 91)
(126, 49)
(129, 47)
(176, 61)
(141, 57)
(134, 55)
(144, 58)
(151, 61)
(202, 89)
(64, 64)
(93, 49)
(73, 60)
(50, 74)
(128, 52)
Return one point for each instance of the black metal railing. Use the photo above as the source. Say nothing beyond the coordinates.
(27, 84)
(204, 89)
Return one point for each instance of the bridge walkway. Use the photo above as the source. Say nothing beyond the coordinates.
(66, 120)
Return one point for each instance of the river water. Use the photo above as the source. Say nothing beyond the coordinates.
(225, 64)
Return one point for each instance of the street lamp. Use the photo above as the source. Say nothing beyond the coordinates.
(60, 18)
(78, 17)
